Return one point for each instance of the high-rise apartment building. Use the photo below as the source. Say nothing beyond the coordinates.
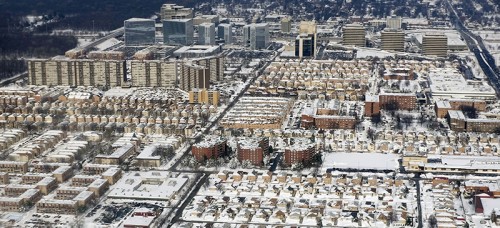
(178, 32)
(193, 76)
(256, 36)
(174, 11)
(206, 34)
(435, 45)
(139, 32)
(354, 34)
(393, 22)
(393, 40)
(215, 66)
(81, 72)
(305, 43)
(153, 73)
(225, 32)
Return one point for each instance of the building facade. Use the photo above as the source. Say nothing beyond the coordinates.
(178, 32)
(253, 150)
(435, 45)
(203, 96)
(211, 147)
(354, 34)
(193, 76)
(82, 72)
(206, 34)
(256, 36)
(225, 32)
(174, 11)
(139, 32)
(393, 40)
(299, 152)
(153, 73)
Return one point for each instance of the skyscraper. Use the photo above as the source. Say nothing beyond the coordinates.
(178, 32)
(206, 34)
(354, 34)
(174, 11)
(225, 32)
(139, 32)
(305, 43)
(256, 36)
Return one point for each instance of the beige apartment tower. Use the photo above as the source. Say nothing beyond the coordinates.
(215, 66)
(393, 40)
(153, 73)
(435, 45)
(193, 76)
(354, 34)
(81, 72)
(203, 96)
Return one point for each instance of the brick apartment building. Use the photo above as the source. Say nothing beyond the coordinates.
(210, 147)
(399, 101)
(253, 150)
(301, 151)
(442, 106)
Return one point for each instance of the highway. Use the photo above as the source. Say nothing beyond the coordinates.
(476, 45)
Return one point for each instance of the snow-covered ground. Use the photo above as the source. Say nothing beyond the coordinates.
(376, 161)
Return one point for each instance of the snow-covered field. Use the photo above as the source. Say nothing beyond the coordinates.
(361, 161)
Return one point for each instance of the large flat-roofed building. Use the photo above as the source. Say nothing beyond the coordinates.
(393, 40)
(149, 156)
(225, 32)
(78, 72)
(449, 83)
(53, 206)
(258, 113)
(256, 36)
(435, 45)
(151, 185)
(443, 106)
(153, 73)
(206, 34)
(211, 147)
(457, 164)
(197, 51)
(178, 32)
(174, 11)
(354, 34)
(193, 76)
(117, 157)
(139, 32)
(394, 101)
